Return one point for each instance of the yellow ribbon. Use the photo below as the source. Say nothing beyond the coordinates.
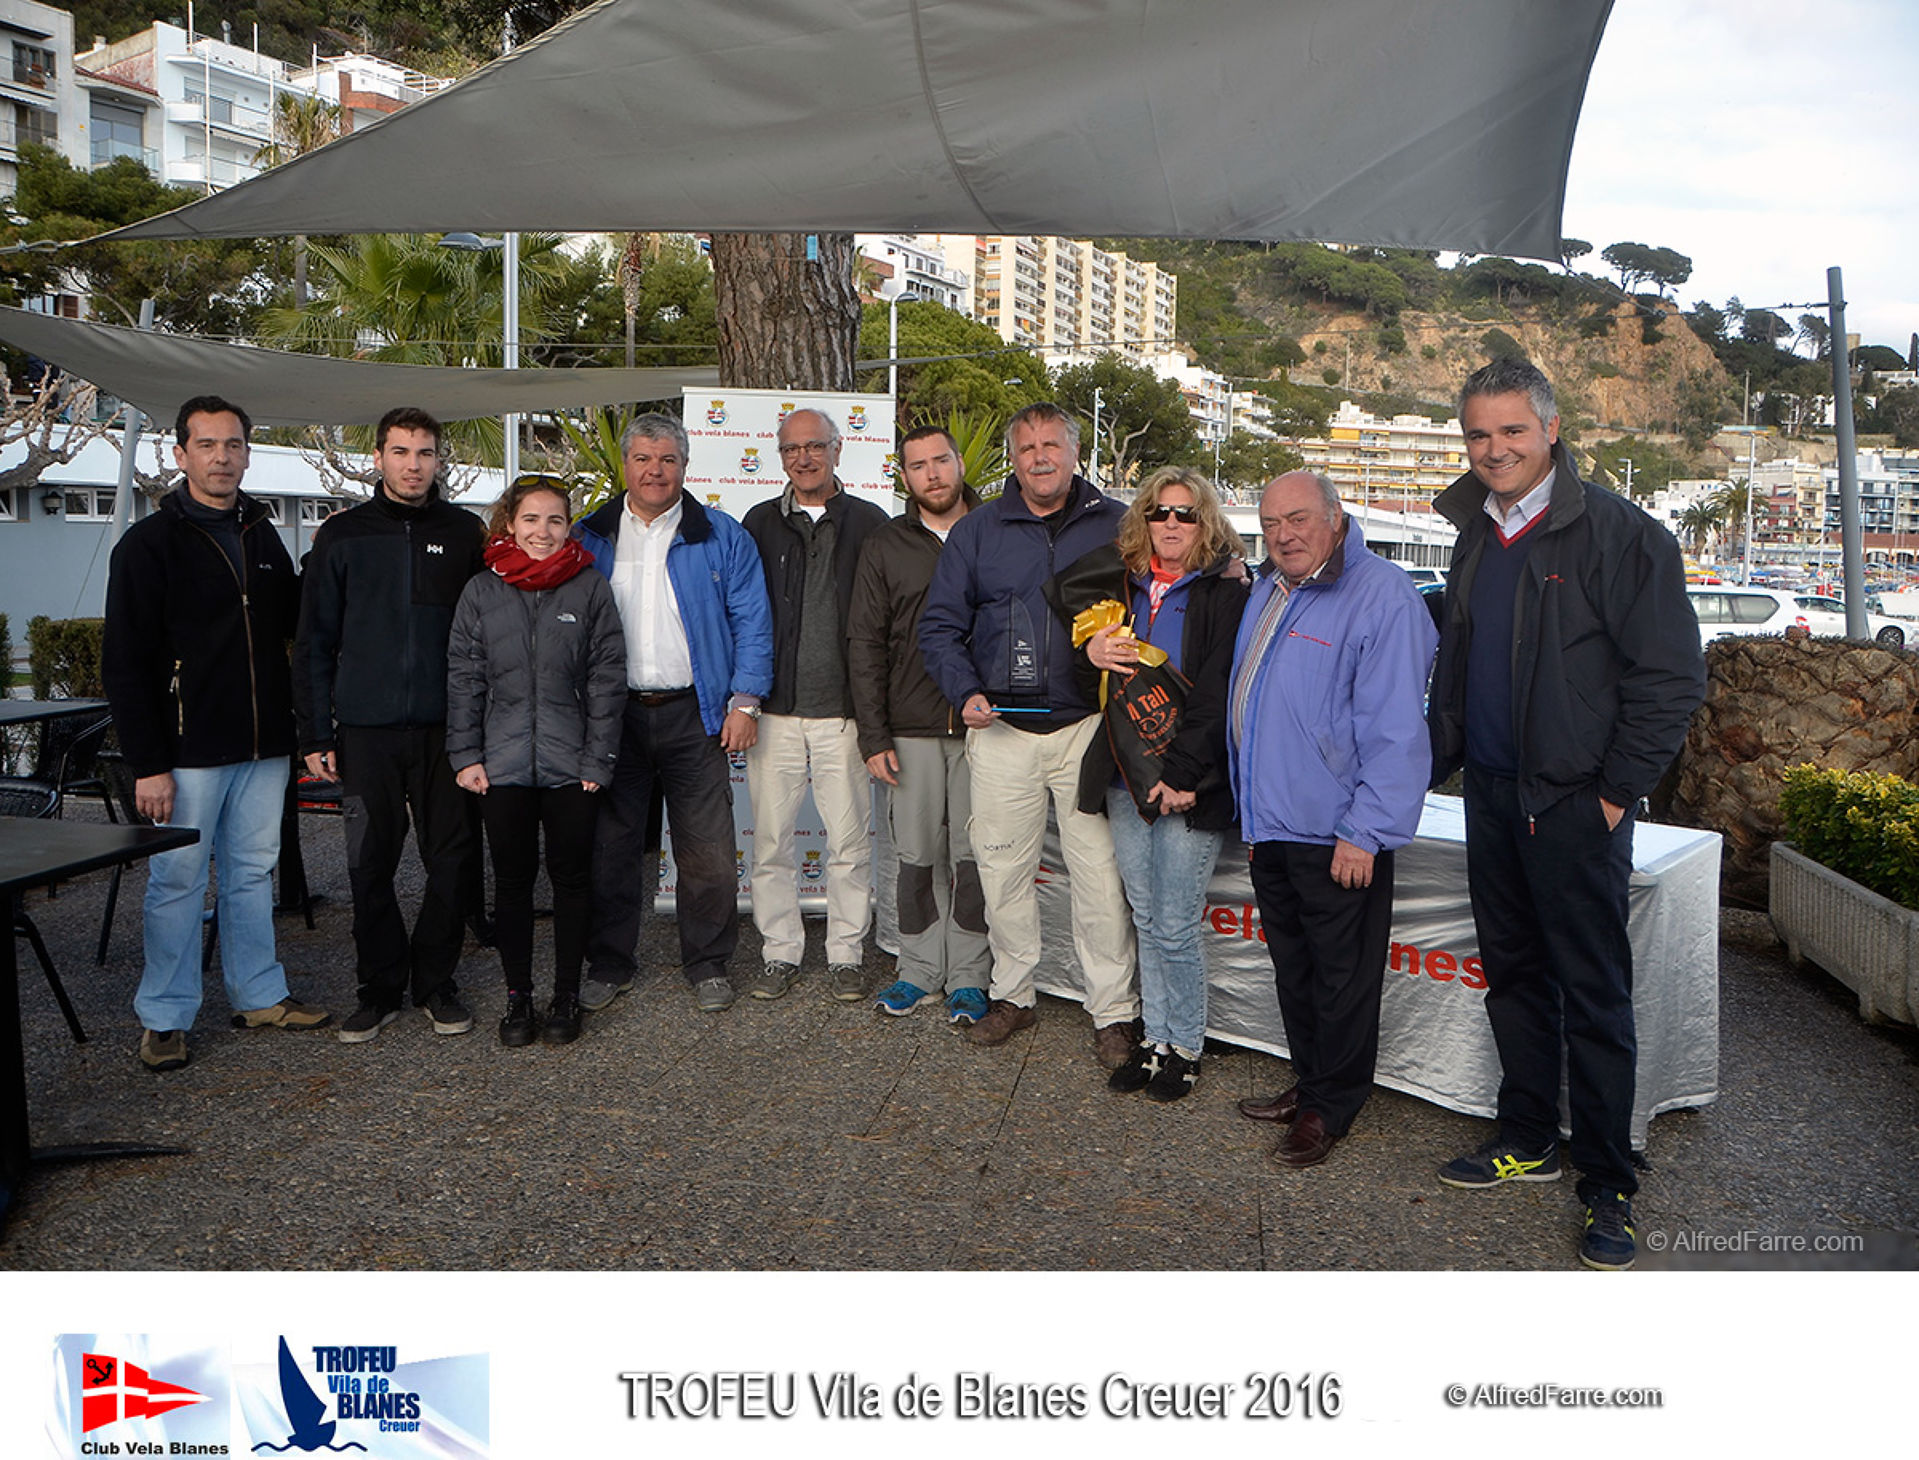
(1105, 614)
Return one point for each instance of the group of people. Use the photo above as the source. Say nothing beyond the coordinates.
(558, 678)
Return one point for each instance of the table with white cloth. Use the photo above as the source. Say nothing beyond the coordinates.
(1434, 1041)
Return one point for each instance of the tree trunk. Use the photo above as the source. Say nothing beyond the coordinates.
(299, 271)
(786, 322)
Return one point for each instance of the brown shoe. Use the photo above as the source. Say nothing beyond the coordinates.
(1003, 1020)
(1114, 1043)
(287, 1014)
(1280, 1108)
(1307, 1143)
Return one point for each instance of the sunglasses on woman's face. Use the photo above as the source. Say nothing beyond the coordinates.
(1188, 515)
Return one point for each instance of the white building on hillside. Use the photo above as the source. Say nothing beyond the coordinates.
(39, 100)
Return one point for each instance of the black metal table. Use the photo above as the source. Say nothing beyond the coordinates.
(25, 712)
(32, 854)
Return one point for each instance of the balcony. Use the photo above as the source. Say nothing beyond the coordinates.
(106, 149)
(14, 136)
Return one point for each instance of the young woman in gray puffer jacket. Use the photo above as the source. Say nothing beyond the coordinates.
(536, 685)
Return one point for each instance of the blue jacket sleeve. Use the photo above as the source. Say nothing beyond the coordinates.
(1389, 725)
(946, 624)
(750, 613)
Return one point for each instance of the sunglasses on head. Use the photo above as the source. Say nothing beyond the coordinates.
(1188, 515)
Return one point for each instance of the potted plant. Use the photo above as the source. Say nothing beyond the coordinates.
(1844, 892)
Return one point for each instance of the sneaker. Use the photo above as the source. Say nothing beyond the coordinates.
(846, 982)
(966, 1006)
(365, 1023)
(448, 1014)
(286, 1014)
(713, 995)
(597, 993)
(1608, 1244)
(562, 1019)
(901, 997)
(773, 980)
(1113, 1043)
(1175, 1080)
(1499, 1161)
(1142, 1066)
(1001, 1022)
(521, 1025)
(162, 1050)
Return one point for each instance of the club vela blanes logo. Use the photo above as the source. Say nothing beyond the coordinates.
(112, 1390)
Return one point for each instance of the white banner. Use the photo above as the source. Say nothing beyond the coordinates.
(733, 459)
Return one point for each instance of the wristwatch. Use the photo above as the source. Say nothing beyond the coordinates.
(749, 708)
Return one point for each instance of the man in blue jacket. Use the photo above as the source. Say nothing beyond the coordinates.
(1002, 657)
(699, 657)
(1326, 740)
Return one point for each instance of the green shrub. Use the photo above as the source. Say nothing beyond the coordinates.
(1319, 347)
(1429, 352)
(1862, 825)
(1392, 340)
(63, 657)
(6, 655)
(1499, 345)
(1329, 375)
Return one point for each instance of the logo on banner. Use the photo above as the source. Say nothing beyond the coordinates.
(750, 461)
(787, 408)
(112, 1390)
(891, 470)
(739, 867)
(716, 413)
(811, 869)
(712, 499)
(856, 419)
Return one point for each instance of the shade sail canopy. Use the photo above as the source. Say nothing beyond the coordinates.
(1442, 124)
(158, 372)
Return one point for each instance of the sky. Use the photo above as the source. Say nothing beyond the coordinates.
(1767, 140)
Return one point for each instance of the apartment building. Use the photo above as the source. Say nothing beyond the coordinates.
(1062, 294)
(39, 100)
(921, 268)
(1367, 456)
(197, 111)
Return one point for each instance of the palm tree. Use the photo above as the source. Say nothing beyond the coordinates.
(1699, 521)
(403, 299)
(302, 123)
(1730, 501)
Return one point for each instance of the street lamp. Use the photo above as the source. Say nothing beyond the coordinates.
(510, 324)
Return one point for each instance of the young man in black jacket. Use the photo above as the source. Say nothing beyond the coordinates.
(201, 599)
(370, 687)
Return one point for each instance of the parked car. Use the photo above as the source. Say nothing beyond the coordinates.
(1727, 609)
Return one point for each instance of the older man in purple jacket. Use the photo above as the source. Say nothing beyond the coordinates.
(1330, 758)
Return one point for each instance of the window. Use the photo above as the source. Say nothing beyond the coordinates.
(118, 131)
(89, 504)
(35, 124)
(12, 505)
(276, 509)
(32, 65)
(315, 510)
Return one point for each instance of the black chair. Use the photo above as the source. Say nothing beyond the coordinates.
(41, 803)
(67, 760)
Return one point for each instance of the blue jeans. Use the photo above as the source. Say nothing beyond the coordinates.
(1165, 867)
(236, 809)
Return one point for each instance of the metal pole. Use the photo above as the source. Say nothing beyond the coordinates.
(130, 446)
(1092, 468)
(1851, 534)
(1751, 442)
(510, 263)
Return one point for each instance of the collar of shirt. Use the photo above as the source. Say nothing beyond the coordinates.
(666, 524)
(1526, 509)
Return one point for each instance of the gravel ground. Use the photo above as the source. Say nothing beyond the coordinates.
(808, 1134)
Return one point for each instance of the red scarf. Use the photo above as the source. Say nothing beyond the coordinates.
(510, 561)
(1160, 580)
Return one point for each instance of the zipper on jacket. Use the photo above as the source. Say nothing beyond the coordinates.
(534, 602)
(406, 609)
(246, 625)
(179, 705)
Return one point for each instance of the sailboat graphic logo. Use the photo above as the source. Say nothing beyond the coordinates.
(305, 1411)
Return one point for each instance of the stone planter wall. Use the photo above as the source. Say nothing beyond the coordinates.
(1774, 703)
(1868, 942)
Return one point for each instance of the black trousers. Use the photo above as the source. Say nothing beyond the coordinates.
(1328, 946)
(387, 774)
(1549, 902)
(515, 816)
(665, 750)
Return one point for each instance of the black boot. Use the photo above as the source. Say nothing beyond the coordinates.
(562, 1019)
(521, 1025)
